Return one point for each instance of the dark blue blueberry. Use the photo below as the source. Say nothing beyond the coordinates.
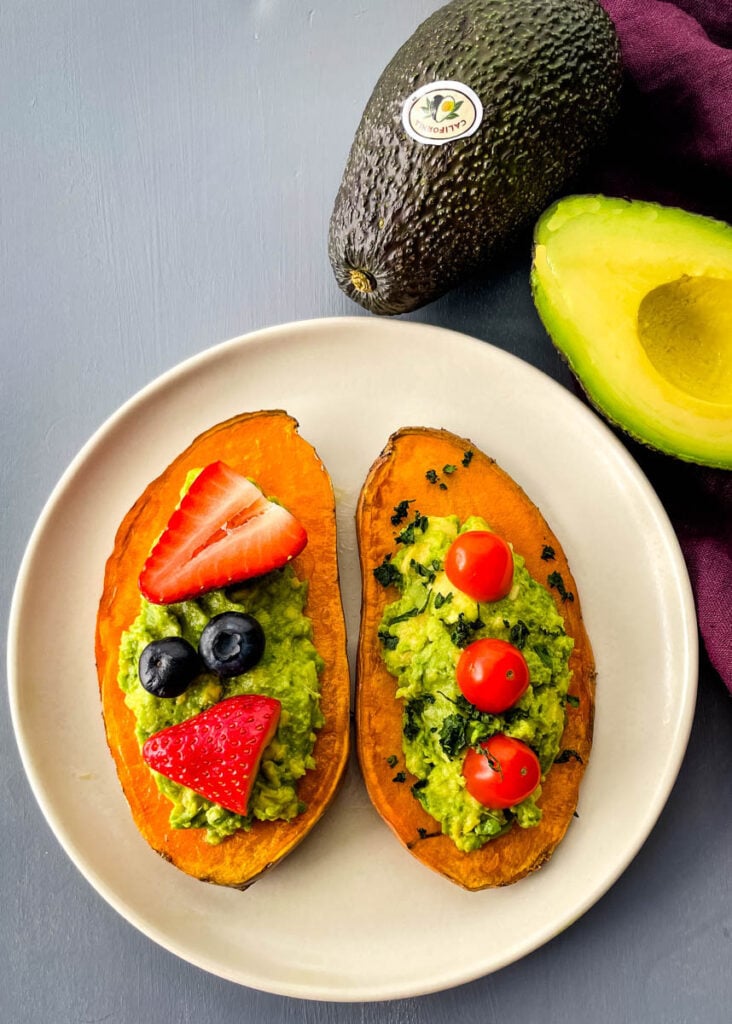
(231, 643)
(168, 667)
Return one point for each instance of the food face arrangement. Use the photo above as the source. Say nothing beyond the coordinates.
(221, 651)
(223, 674)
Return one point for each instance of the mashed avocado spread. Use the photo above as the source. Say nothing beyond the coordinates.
(422, 635)
(288, 671)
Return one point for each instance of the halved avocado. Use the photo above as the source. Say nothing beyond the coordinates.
(638, 298)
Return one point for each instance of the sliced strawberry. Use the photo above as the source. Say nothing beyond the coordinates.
(217, 753)
(224, 531)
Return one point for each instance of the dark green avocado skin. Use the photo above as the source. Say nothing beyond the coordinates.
(418, 219)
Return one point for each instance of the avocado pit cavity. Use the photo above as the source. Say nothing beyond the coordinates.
(685, 328)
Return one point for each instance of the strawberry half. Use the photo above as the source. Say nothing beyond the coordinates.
(224, 531)
(217, 753)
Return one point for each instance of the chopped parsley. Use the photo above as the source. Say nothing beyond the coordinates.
(554, 579)
(461, 632)
(409, 614)
(387, 574)
(518, 634)
(419, 522)
(423, 571)
(468, 457)
(388, 640)
(515, 715)
(412, 712)
(572, 700)
(548, 553)
(392, 760)
(453, 734)
(567, 755)
(543, 653)
(399, 777)
(441, 599)
(401, 511)
(433, 477)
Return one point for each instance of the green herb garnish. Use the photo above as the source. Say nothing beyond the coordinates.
(518, 634)
(461, 632)
(453, 734)
(387, 574)
(401, 511)
(388, 640)
(412, 713)
(554, 579)
(419, 784)
(422, 570)
(419, 522)
(568, 755)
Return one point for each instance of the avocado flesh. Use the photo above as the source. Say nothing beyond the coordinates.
(412, 220)
(638, 298)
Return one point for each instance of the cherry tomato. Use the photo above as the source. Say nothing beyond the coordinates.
(480, 564)
(492, 674)
(503, 773)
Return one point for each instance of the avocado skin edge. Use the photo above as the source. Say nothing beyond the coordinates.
(417, 219)
(648, 428)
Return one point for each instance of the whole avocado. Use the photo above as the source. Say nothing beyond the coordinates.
(415, 213)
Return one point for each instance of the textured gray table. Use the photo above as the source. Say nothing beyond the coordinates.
(167, 173)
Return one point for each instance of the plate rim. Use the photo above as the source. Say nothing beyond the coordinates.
(167, 379)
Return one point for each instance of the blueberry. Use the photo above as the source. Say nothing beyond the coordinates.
(167, 667)
(231, 643)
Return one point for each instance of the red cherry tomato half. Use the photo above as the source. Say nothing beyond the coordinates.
(480, 564)
(492, 674)
(503, 773)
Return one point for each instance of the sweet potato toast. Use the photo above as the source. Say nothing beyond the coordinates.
(486, 490)
(266, 447)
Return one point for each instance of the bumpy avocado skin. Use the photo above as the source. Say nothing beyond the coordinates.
(417, 219)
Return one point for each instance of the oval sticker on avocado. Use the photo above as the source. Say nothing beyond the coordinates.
(441, 112)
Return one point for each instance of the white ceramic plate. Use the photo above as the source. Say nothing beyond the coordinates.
(349, 915)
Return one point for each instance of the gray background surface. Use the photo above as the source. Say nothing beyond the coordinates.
(167, 173)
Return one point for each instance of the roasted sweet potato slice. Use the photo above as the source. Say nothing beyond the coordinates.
(488, 491)
(266, 447)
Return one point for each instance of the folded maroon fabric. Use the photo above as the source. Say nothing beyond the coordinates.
(673, 140)
(708, 551)
(672, 143)
(699, 503)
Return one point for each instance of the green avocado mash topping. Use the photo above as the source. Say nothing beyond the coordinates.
(422, 635)
(289, 671)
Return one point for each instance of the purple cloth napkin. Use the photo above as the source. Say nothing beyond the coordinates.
(672, 143)
(699, 503)
(673, 140)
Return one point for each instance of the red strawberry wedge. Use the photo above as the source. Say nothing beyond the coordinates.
(217, 753)
(224, 531)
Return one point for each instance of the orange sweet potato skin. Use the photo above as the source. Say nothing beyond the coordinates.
(482, 488)
(266, 447)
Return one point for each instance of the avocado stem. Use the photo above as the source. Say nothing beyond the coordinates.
(362, 281)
